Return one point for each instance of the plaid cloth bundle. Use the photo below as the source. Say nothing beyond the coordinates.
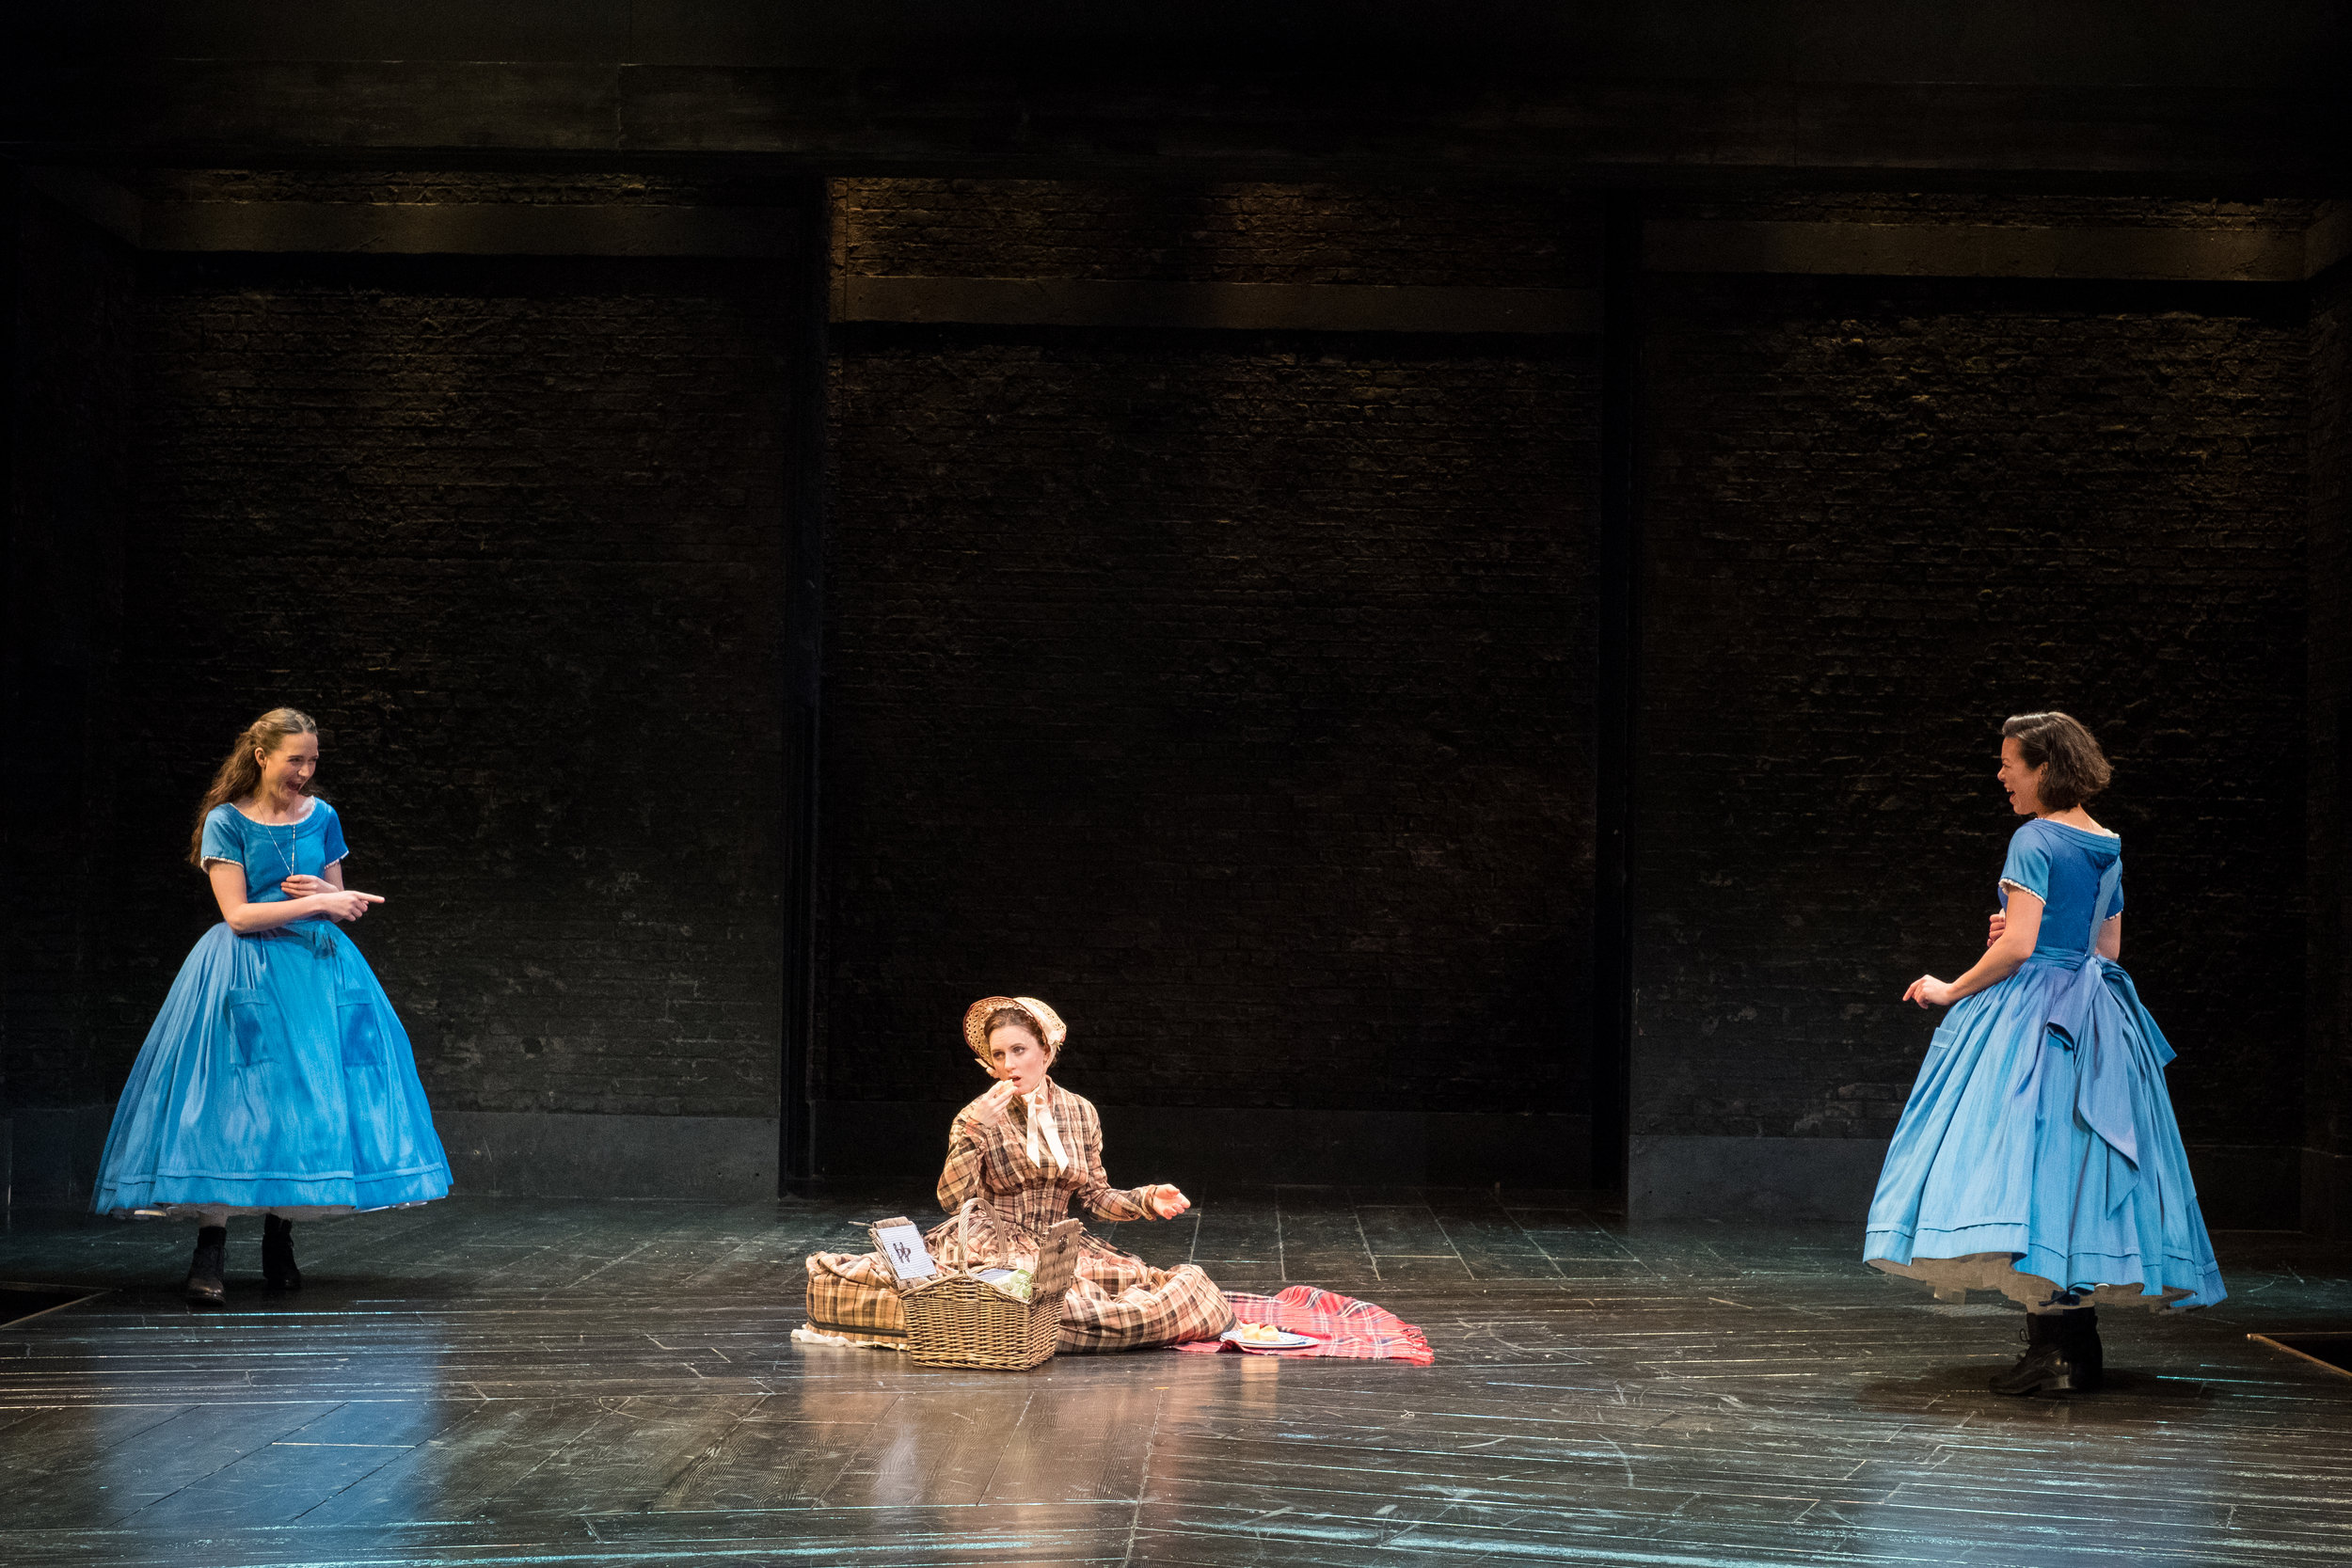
(1350, 1329)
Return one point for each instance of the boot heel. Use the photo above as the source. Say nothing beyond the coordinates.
(2045, 1368)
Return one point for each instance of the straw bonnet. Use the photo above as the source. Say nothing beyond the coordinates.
(1049, 1024)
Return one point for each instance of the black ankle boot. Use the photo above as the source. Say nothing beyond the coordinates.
(205, 1287)
(2079, 1329)
(2045, 1368)
(278, 1270)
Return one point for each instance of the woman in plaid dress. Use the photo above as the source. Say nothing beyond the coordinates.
(1026, 1147)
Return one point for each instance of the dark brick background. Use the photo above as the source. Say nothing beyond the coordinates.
(1391, 235)
(510, 529)
(467, 188)
(2006, 209)
(1232, 695)
(1232, 690)
(72, 328)
(1881, 516)
(2329, 1098)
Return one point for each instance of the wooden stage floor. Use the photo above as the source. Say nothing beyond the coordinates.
(613, 1383)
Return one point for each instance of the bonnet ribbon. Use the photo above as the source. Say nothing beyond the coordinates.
(1041, 1119)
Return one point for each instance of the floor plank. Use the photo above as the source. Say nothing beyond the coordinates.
(606, 1383)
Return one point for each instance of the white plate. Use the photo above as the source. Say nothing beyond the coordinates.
(1287, 1341)
(992, 1276)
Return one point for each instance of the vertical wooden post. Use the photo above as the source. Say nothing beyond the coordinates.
(1618, 706)
(810, 279)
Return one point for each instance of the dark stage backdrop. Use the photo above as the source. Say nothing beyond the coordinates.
(1232, 692)
(509, 529)
(1233, 688)
(71, 335)
(1883, 514)
(2327, 1084)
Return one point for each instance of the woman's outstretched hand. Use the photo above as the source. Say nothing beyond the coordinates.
(335, 903)
(2000, 923)
(1167, 1202)
(1929, 992)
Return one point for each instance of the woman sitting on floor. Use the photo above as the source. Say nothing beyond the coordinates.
(1027, 1147)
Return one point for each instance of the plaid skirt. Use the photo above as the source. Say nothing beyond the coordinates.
(1116, 1302)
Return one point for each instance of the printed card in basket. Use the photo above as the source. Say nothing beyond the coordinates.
(902, 1245)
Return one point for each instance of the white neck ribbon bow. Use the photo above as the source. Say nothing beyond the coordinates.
(1042, 1126)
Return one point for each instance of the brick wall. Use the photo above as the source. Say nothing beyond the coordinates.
(511, 530)
(1231, 692)
(2328, 1100)
(459, 187)
(1883, 515)
(1988, 210)
(1397, 234)
(70, 327)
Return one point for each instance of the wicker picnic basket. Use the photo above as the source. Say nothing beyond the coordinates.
(955, 1319)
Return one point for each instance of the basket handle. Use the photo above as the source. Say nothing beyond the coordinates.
(963, 1231)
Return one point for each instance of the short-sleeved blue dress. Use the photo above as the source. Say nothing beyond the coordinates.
(277, 1078)
(2038, 1155)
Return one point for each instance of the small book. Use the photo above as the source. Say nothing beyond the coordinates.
(898, 1241)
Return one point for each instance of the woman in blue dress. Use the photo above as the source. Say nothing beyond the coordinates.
(2038, 1155)
(277, 1080)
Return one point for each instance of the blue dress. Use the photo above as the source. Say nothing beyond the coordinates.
(2038, 1155)
(277, 1077)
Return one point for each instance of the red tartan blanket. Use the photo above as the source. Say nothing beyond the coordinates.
(1350, 1329)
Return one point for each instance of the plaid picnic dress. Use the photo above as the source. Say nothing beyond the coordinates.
(1117, 1301)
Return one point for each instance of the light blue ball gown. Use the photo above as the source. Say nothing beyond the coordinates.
(2038, 1155)
(277, 1077)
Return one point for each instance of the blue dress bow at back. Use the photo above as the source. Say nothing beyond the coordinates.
(2038, 1153)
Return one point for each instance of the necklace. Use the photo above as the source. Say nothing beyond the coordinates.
(285, 851)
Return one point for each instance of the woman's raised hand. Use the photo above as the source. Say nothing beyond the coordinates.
(300, 886)
(1167, 1202)
(1929, 992)
(2000, 923)
(338, 905)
